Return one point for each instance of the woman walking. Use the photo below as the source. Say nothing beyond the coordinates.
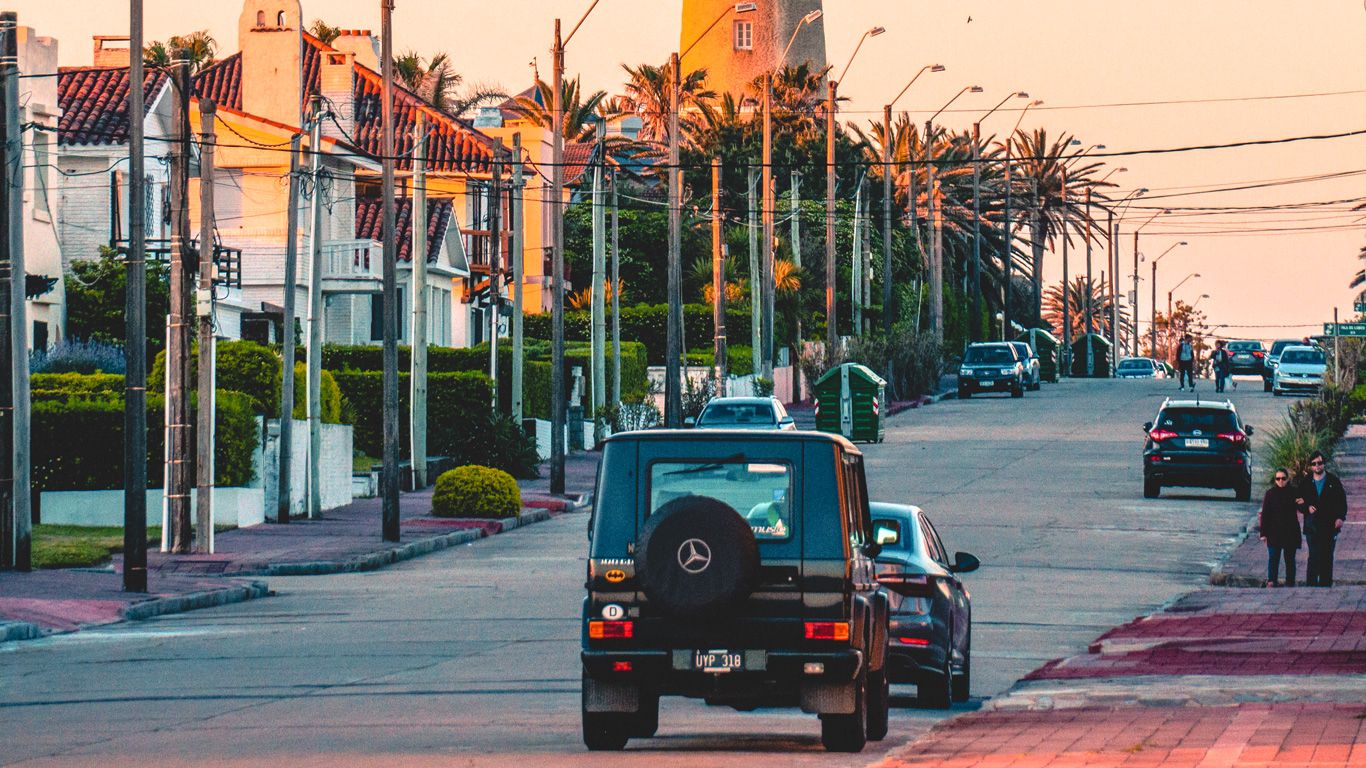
(1280, 526)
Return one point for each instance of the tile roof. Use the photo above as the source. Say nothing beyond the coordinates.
(94, 102)
(455, 145)
(370, 225)
(577, 157)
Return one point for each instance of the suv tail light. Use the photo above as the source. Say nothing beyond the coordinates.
(827, 630)
(611, 630)
(1257, 353)
(1237, 438)
(1158, 435)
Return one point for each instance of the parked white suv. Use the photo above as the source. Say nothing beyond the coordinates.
(1300, 368)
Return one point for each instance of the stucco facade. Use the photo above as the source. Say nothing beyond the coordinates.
(733, 59)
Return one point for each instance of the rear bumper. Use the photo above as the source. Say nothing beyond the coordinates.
(1223, 474)
(986, 385)
(670, 672)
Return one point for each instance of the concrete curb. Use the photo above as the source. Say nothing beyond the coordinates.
(209, 598)
(14, 631)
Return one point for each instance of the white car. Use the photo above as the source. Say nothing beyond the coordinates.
(1299, 369)
(1139, 368)
(744, 413)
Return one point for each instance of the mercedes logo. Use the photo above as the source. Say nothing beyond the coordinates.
(694, 556)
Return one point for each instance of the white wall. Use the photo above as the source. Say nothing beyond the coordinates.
(335, 465)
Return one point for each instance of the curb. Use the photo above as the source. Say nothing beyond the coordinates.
(14, 631)
(207, 599)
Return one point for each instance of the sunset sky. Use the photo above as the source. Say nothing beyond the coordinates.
(1133, 76)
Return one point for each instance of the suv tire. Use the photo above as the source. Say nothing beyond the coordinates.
(879, 704)
(964, 394)
(646, 722)
(1017, 390)
(848, 733)
(603, 731)
(1266, 385)
(697, 526)
(1151, 489)
(1243, 492)
(962, 690)
(936, 691)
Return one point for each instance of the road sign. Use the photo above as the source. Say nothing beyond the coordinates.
(1359, 307)
(1344, 329)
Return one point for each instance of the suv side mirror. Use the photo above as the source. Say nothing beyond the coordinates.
(689, 422)
(1147, 427)
(1248, 429)
(872, 549)
(964, 563)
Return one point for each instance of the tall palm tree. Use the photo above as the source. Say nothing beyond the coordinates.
(199, 47)
(436, 82)
(798, 94)
(324, 31)
(647, 95)
(1078, 293)
(580, 118)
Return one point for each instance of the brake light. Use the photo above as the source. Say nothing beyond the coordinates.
(913, 641)
(1237, 438)
(827, 630)
(1158, 435)
(611, 630)
(622, 666)
(1258, 354)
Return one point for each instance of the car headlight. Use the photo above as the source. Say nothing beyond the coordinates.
(965, 372)
(1007, 371)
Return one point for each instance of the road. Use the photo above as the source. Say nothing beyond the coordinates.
(469, 656)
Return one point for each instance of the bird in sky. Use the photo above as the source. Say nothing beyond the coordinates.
(969, 19)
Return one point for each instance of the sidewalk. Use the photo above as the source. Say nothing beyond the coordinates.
(1222, 677)
(345, 539)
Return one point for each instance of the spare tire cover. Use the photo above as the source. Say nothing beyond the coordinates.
(697, 557)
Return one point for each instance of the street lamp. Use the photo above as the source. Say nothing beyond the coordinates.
(557, 393)
(936, 222)
(830, 325)
(1066, 299)
(1009, 220)
(766, 280)
(976, 330)
(1154, 308)
(887, 319)
(1198, 300)
(1152, 323)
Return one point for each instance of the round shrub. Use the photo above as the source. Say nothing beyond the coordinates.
(475, 491)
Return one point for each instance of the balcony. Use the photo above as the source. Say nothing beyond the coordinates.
(352, 266)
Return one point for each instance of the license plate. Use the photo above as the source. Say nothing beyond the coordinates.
(718, 661)
(1197, 442)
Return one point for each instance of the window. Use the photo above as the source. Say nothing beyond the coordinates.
(992, 355)
(744, 35)
(260, 18)
(1208, 420)
(719, 414)
(280, 19)
(760, 492)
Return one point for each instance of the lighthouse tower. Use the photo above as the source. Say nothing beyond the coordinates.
(746, 45)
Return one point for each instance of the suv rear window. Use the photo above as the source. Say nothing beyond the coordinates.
(760, 492)
(989, 355)
(737, 413)
(1244, 346)
(1204, 419)
(1135, 365)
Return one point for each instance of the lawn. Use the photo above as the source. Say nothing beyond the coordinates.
(75, 546)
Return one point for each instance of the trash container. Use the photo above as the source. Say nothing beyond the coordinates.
(1096, 364)
(1046, 347)
(851, 401)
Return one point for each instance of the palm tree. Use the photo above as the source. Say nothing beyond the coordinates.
(580, 118)
(436, 82)
(199, 47)
(324, 31)
(647, 95)
(798, 92)
(1079, 290)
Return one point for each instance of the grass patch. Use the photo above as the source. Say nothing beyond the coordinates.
(362, 463)
(78, 546)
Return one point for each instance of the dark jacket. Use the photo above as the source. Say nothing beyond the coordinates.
(1279, 520)
(1222, 360)
(1330, 505)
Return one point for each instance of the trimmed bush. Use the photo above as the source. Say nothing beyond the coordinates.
(331, 396)
(241, 366)
(68, 386)
(646, 323)
(475, 491)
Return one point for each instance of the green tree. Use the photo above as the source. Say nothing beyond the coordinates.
(436, 82)
(199, 47)
(324, 31)
(95, 292)
(647, 95)
(580, 112)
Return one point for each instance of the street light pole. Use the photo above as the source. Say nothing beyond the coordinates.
(1152, 325)
(936, 222)
(975, 325)
(1154, 308)
(887, 316)
(1007, 257)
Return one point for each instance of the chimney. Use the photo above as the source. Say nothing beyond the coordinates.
(270, 37)
(361, 44)
(336, 78)
(111, 50)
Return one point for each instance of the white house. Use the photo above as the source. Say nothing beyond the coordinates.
(39, 111)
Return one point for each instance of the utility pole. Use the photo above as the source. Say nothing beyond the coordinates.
(1135, 294)
(755, 278)
(866, 270)
(1065, 369)
(796, 225)
(389, 480)
(495, 270)
(516, 245)
(204, 309)
(284, 484)
(1006, 256)
(1114, 293)
(887, 319)
(718, 282)
(975, 322)
(135, 330)
(557, 393)
(315, 313)
(19, 387)
(767, 213)
(11, 238)
(1086, 306)
(673, 346)
(616, 299)
(856, 264)
(936, 263)
(1036, 246)
(831, 326)
(417, 359)
(1152, 308)
(177, 491)
(598, 310)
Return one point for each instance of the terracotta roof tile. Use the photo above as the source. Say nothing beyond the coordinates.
(370, 226)
(94, 102)
(577, 157)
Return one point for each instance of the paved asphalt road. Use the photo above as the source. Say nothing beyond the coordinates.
(469, 656)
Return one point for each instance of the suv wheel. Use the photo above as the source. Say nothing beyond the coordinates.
(604, 731)
(1151, 489)
(963, 393)
(962, 690)
(1244, 490)
(1266, 385)
(1017, 390)
(879, 704)
(646, 722)
(936, 691)
(848, 733)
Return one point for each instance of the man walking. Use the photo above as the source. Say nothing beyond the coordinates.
(1221, 363)
(1185, 363)
(1323, 502)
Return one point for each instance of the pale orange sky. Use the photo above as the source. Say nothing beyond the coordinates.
(1067, 52)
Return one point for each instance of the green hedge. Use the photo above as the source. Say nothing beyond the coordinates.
(739, 360)
(331, 396)
(646, 323)
(256, 371)
(475, 491)
(66, 386)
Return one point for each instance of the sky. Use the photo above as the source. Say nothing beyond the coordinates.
(1133, 76)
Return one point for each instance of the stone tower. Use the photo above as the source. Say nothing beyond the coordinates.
(744, 46)
(270, 37)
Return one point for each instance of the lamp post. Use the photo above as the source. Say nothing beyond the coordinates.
(1066, 292)
(936, 222)
(975, 326)
(1152, 324)
(830, 325)
(557, 393)
(1154, 308)
(1198, 299)
(1169, 298)
(1009, 239)
(768, 204)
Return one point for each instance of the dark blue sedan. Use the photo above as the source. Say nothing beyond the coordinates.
(930, 638)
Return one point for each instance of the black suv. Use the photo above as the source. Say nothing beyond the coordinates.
(736, 567)
(1247, 357)
(991, 367)
(1197, 443)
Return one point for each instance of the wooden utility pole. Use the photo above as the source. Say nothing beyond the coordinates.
(389, 378)
(673, 337)
(284, 501)
(718, 281)
(315, 313)
(11, 163)
(19, 326)
(417, 374)
(831, 325)
(856, 264)
(516, 246)
(755, 279)
(135, 331)
(204, 309)
(598, 310)
(616, 299)
(495, 271)
(558, 396)
(936, 238)
(177, 490)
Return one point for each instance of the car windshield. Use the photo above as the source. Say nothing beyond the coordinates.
(989, 356)
(1278, 346)
(1244, 346)
(1135, 365)
(760, 492)
(718, 414)
(1302, 357)
(1204, 419)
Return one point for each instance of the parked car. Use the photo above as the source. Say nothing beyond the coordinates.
(991, 367)
(736, 567)
(1273, 357)
(1139, 368)
(1248, 357)
(1199, 443)
(930, 638)
(1300, 369)
(745, 413)
(1033, 372)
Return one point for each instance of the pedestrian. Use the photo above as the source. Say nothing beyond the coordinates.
(1279, 524)
(1185, 363)
(1323, 502)
(1221, 361)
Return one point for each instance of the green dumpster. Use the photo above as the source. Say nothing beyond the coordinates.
(1096, 365)
(1046, 347)
(851, 401)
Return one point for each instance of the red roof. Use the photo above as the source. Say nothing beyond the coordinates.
(370, 225)
(577, 156)
(455, 146)
(94, 102)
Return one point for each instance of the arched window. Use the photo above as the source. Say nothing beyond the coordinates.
(260, 18)
(280, 19)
